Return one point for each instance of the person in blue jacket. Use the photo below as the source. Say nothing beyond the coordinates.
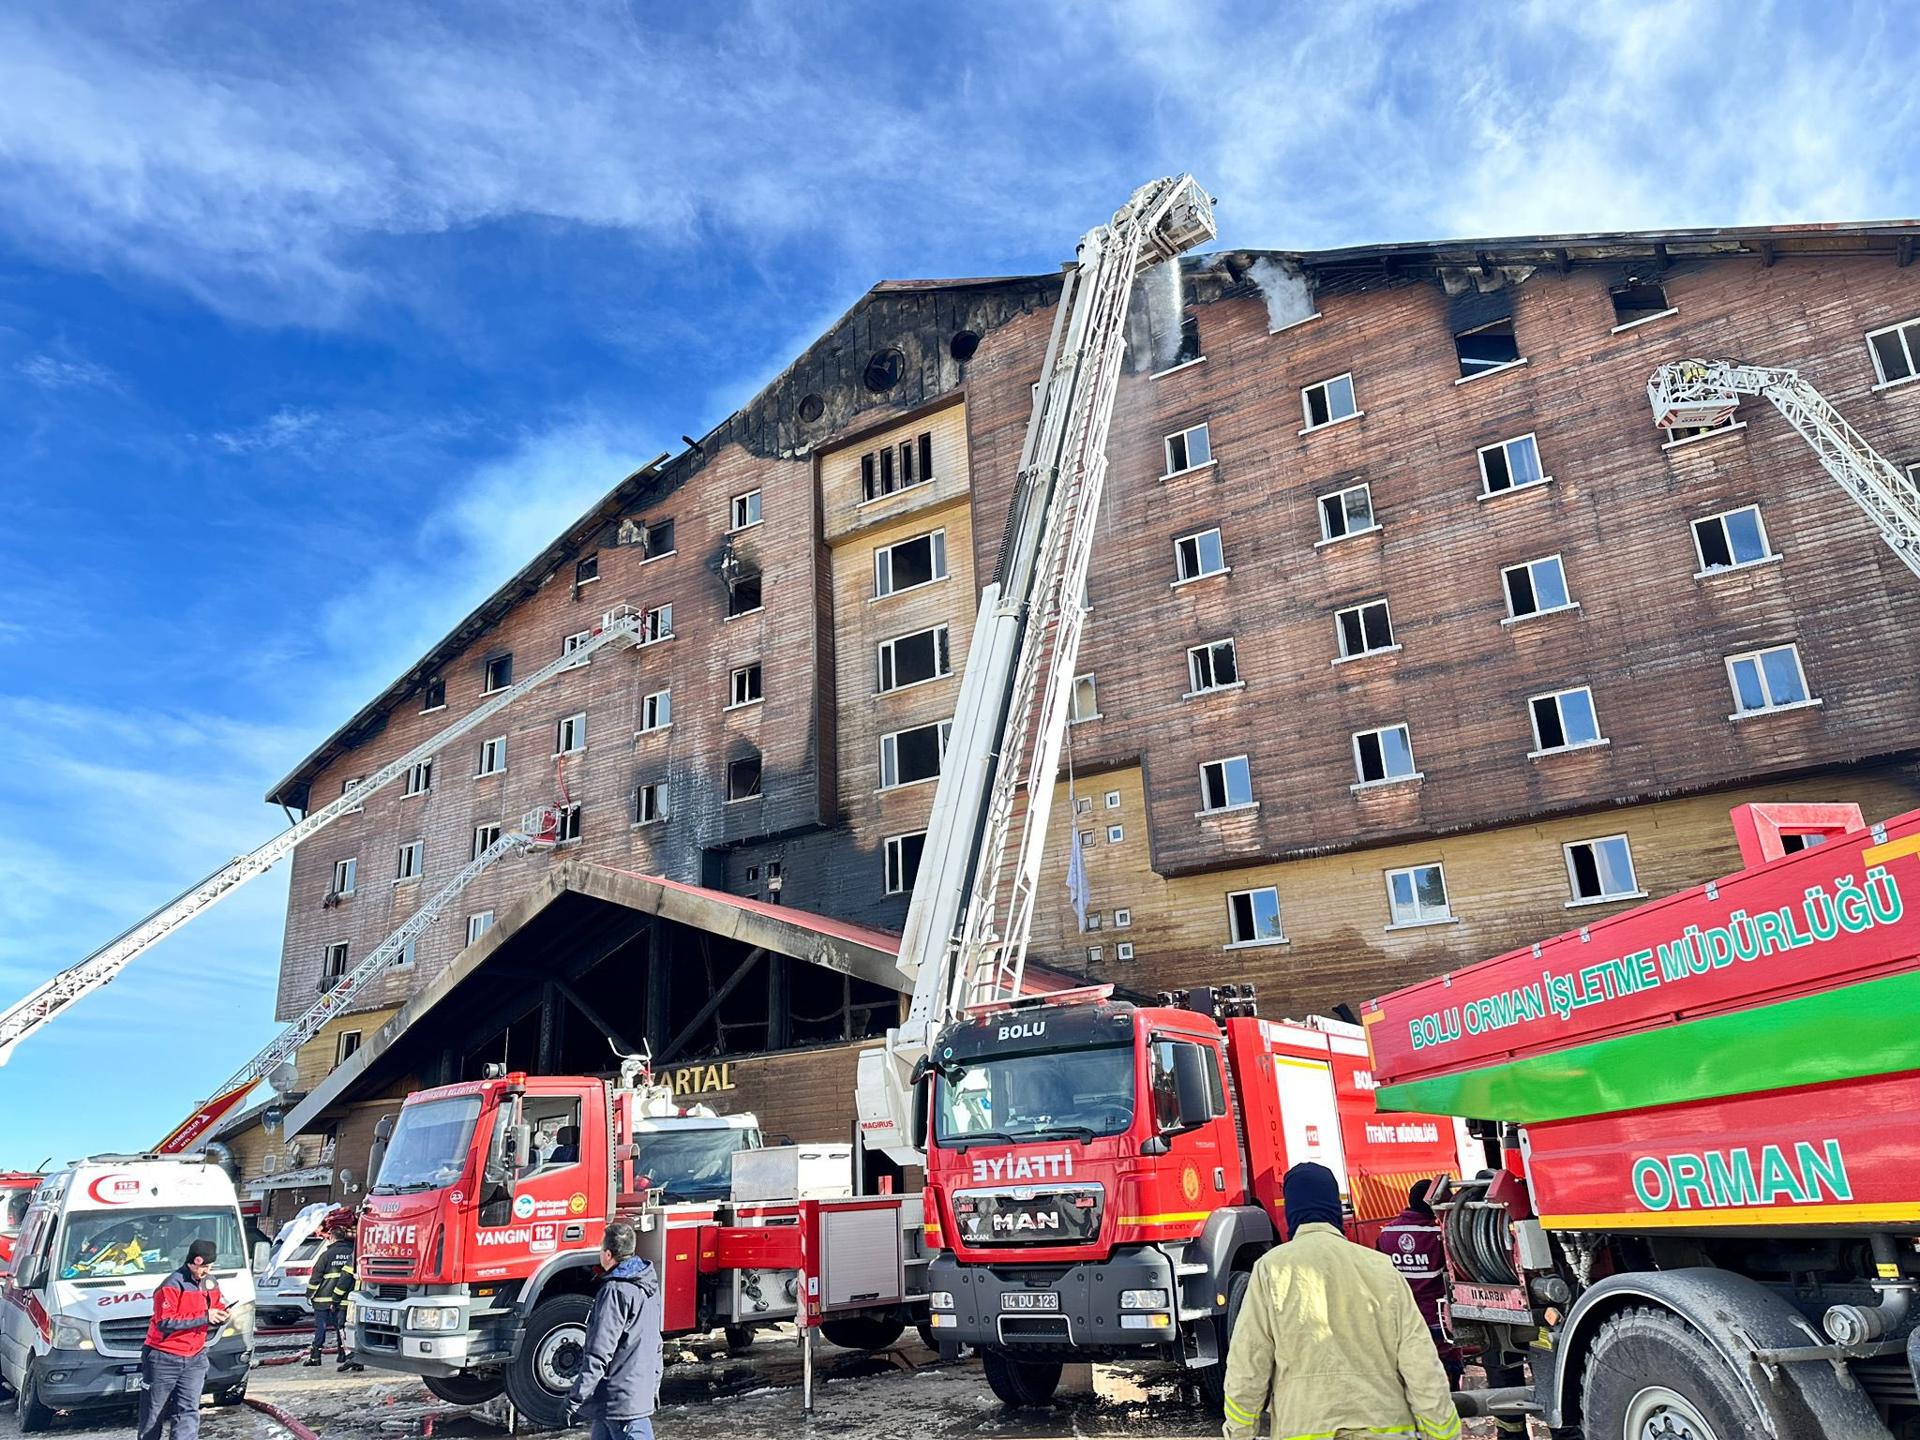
(619, 1379)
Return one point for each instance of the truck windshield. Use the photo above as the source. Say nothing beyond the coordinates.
(429, 1146)
(1060, 1092)
(146, 1242)
(689, 1164)
(13, 1210)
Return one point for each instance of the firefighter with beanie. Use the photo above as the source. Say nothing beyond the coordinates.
(187, 1308)
(619, 1377)
(329, 1286)
(1329, 1337)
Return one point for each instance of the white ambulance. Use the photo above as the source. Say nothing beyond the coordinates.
(98, 1237)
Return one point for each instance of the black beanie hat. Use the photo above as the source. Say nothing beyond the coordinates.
(201, 1250)
(1310, 1194)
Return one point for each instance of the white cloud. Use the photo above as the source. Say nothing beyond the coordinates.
(54, 372)
(287, 428)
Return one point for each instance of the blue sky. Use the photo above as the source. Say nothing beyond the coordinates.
(316, 321)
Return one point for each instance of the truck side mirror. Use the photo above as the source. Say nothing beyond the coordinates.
(1193, 1094)
(519, 1146)
(921, 1101)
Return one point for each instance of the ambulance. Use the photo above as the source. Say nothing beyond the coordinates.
(97, 1238)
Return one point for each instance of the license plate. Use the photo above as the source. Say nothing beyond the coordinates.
(380, 1314)
(132, 1382)
(1030, 1300)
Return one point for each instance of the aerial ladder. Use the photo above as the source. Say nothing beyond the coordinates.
(1689, 393)
(620, 628)
(968, 923)
(539, 829)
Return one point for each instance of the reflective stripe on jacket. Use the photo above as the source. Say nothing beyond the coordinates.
(1329, 1339)
(332, 1279)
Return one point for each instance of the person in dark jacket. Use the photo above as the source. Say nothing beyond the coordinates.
(1412, 1241)
(329, 1286)
(619, 1377)
(187, 1308)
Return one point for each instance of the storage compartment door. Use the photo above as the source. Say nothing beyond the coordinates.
(1310, 1115)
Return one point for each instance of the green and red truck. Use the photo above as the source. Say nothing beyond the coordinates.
(1700, 1216)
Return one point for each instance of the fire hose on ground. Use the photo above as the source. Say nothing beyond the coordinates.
(293, 1424)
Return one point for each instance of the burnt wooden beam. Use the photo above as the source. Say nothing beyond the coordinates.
(1565, 261)
(1903, 254)
(1766, 254)
(595, 1018)
(1486, 265)
(726, 988)
(1660, 261)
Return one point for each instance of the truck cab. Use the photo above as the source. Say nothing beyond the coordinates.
(97, 1238)
(16, 1193)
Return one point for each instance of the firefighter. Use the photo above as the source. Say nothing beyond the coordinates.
(329, 1286)
(1329, 1338)
(1412, 1241)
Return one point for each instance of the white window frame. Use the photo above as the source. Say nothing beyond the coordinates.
(344, 948)
(896, 861)
(886, 659)
(570, 734)
(411, 863)
(348, 784)
(340, 1052)
(1811, 702)
(743, 511)
(890, 754)
(1678, 435)
(419, 779)
(1487, 492)
(1308, 425)
(484, 836)
(748, 676)
(656, 711)
(883, 564)
(487, 687)
(1909, 333)
(1199, 654)
(574, 641)
(1112, 799)
(1236, 941)
(1232, 806)
(441, 681)
(1196, 535)
(1558, 560)
(1361, 782)
(1533, 721)
(1123, 918)
(649, 802)
(404, 960)
(1420, 918)
(345, 874)
(1123, 950)
(1575, 898)
(1327, 537)
(1340, 632)
(656, 624)
(1075, 714)
(1720, 518)
(493, 757)
(567, 831)
(1186, 444)
(478, 924)
(1116, 834)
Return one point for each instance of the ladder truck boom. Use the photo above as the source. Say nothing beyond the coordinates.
(1705, 392)
(538, 830)
(619, 627)
(967, 926)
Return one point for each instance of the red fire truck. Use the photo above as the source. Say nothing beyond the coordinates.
(1701, 1212)
(479, 1242)
(15, 1187)
(1102, 1175)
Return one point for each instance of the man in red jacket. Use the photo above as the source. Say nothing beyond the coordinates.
(1412, 1241)
(187, 1307)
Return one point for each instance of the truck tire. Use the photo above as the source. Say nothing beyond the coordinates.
(739, 1339)
(33, 1414)
(862, 1332)
(1213, 1378)
(1022, 1384)
(542, 1370)
(474, 1389)
(1650, 1373)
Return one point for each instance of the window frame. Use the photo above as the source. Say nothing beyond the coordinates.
(1075, 715)
(759, 579)
(411, 862)
(887, 658)
(574, 725)
(755, 678)
(938, 566)
(1720, 518)
(1496, 367)
(573, 642)
(492, 830)
(1540, 749)
(1308, 425)
(1575, 899)
(1186, 445)
(586, 570)
(479, 922)
(759, 761)
(652, 633)
(1254, 941)
(647, 553)
(1558, 560)
(348, 784)
(1614, 293)
(347, 870)
(1207, 650)
(894, 862)
(1340, 631)
(654, 705)
(1196, 535)
(1226, 790)
(1327, 537)
(437, 686)
(487, 686)
(745, 503)
(494, 749)
(649, 795)
(1810, 700)
(1909, 345)
(419, 779)
(568, 831)
(1421, 920)
(1361, 782)
(945, 728)
(1487, 492)
(328, 970)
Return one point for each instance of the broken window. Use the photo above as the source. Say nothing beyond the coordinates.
(745, 687)
(1253, 917)
(334, 965)
(1536, 587)
(1364, 629)
(419, 779)
(1086, 700)
(1601, 869)
(1564, 720)
(912, 659)
(657, 540)
(586, 568)
(1184, 351)
(1226, 784)
(434, 696)
(743, 778)
(412, 857)
(910, 756)
(656, 710)
(1214, 666)
(1510, 465)
(903, 860)
(1199, 554)
(743, 595)
(569, 827)
(893, 468)
(919, 561)
(1328, 402)
(1726, 542)
(499, 673)
(1346, 512)
(1383, 755)
(650, 803)
(1188, 449)
(485, 837)
(1637, 300)
(744, 511)
(1486, 347)
(1896, 351)
(493, 756)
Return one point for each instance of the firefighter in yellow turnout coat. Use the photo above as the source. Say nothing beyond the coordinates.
(1329, 1338)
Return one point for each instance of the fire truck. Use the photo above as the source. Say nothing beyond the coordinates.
(16, 1188)
(1700, 1212)
(479, 1243)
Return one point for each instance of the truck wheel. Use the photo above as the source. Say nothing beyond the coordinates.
(466, 1389)
(1020, 1383)
(862, 1332)
(1652, 1375)
(739, 1339)
(542, 1371)
(1213, 1378)
(33, 1414)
